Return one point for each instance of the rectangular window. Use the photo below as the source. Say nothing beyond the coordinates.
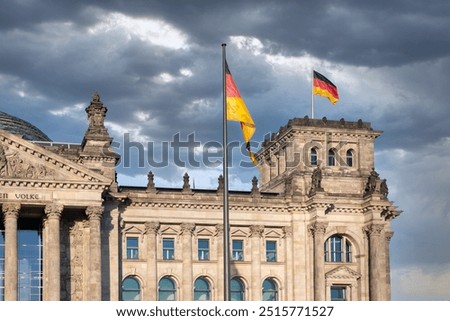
(132, 248)
(271, 251)
(238, 250)
(338, 293)
(168, 249)
(203, 249)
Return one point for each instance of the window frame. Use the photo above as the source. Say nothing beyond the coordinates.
(313, 157)
(272, 291)
(344, 292)
(237, 254)
(349, 158)
(201, 250)
(331, 157)
(199, 292)
(169, 291)
(139, 288)
(271, 251)
(168, 253)
(238, 292)
(132, 251)
(338, 249)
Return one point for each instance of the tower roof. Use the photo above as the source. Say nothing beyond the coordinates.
(21, 128)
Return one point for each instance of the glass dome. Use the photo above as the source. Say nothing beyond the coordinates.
(21, 128)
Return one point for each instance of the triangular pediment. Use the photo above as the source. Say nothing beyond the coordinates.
(342, 273)
(204, 232)
(23, 163)
(239, 233)
(272, 234)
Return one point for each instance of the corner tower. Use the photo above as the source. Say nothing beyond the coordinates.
(339, 206)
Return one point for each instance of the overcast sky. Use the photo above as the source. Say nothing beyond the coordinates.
(157, 67)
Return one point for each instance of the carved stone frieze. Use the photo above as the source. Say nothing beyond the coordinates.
(187, 228)
(256, 230)
(152, 227)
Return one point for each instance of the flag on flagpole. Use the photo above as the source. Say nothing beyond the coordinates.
(237, 111)
(323, 87)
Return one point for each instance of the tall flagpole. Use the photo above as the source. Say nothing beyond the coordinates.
(312, 94)
(226, 219)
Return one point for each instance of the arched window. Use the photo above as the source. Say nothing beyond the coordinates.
(131, 289)
(338, 249)
(331, 157)
(313, 157)
(237, 290)
(166, 289)
(202, 290)
(269, 290)
(349, 158)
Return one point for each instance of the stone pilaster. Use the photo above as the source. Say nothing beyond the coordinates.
(94, 213)
(256, 234)
(10, 216)
(318, 230)
(219, 248)
(388, 236)
(289, 258)
(377, 265)
(52, 252)
(151, 231)
(187, 229)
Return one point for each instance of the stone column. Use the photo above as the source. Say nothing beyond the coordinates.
(377, 268)
(187, 229)
(52, 252)
(94, 213)
(289, 259)
(10, 216)
(318, 230)
(151, 231)
(219, 241)
(256, 233)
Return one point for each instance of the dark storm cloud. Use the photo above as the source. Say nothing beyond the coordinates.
(389, 59)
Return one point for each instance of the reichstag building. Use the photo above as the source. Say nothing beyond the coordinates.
(316, 225)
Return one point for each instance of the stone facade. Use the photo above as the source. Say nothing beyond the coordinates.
(317, 226)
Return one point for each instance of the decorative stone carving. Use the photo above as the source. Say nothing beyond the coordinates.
(76, 259)
(152, 227)
(11, 210)
(256, 230)
(371, 184)
(94, 212)
(221, 184)
(187, 228)
(316, 181)
(255, 190)
(317, 228)
(150, 182)
(186, 185)
(53, 210)
(96, 116)
(374, 229)
(287, 231)
(12, 165)
(219, 230)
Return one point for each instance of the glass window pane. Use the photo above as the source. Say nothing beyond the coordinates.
(132, 248)
(331, 158)
(166, 291)
(349, 158)
(203, 249)
(313, 156)
(271, 251)
(270, 290)
(338, 293)
(201, 290)
(238, 252)
(131, 289)
(236, 290)
(168, 249)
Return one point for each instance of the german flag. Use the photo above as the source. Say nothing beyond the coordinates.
(323, 87)
(237, 110)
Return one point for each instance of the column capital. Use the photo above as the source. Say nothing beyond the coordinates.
(94, 212)
(318, 228)
(374, 229)
(219, 229)
(11, 209)
(187, 228)
(53, 210)
(151, 227)
(287, 231)
(256, 230)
